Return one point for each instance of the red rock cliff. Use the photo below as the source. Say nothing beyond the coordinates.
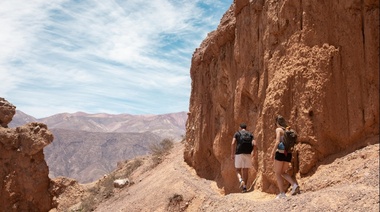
(315, 63)
(23, 171)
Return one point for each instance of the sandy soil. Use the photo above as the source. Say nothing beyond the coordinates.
(342, 183)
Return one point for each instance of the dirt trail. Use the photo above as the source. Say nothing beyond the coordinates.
(349, 183)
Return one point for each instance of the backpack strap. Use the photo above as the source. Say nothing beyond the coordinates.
(238, 140)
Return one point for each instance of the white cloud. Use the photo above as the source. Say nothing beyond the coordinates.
(130, 56)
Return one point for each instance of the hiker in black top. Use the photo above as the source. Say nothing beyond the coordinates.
(242, 152)
(282, 159)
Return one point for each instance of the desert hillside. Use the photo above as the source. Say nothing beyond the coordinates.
(86, 156)
(87, 146)
(342, 182)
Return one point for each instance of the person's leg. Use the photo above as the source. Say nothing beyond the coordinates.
(278, 172)
(247, 163)
(238, 166)
(244, 177)
(239, 173)
(293, 183)
(285, 166)
(245, 174)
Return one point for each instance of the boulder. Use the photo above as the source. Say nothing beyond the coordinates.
(120, 183)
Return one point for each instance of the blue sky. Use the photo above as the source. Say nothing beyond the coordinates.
(96, 56)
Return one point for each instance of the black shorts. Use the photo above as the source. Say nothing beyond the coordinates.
(282, 157)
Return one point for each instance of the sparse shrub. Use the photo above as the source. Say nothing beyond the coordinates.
(88, 204)
(107, 186)
(175, 199)
(131, 167)
(102, 190)
(175, 203)
(159, 150)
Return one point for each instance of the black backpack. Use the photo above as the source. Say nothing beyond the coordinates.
(290, 139)
(244, 144)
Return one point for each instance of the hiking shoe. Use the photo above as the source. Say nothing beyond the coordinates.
(295, 189)
(281, 196)
(244, 190)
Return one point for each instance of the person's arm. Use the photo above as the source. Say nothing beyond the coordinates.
(278, 136)
(233, 148)
(254, 151)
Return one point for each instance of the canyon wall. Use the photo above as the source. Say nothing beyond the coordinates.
(314, 62)
(23, 171)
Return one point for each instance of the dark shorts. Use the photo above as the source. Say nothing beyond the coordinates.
(282, 157)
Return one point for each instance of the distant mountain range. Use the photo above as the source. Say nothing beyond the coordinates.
(87, 146)
(170, 125)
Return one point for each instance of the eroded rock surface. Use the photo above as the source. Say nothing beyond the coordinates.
(317, 64)
(23, 170)
(7, 111)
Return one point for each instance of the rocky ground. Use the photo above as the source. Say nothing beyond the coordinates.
(347, 182)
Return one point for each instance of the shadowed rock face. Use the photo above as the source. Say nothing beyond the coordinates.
(314, 63)
(23, 170)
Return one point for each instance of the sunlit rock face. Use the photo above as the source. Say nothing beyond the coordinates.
(23, 170)
(317, 64)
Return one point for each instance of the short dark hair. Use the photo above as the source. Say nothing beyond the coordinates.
(243, 126)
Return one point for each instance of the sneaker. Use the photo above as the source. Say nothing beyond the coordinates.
(244, 190)
(281, 196)
(295, 189)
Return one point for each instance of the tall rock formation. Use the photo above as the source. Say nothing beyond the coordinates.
(23, 171)
(315, 63)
